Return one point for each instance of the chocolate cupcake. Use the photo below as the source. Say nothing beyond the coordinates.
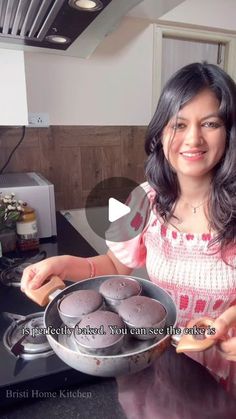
(114, 290)
(100, 333)
(72, 307)
(144, 316)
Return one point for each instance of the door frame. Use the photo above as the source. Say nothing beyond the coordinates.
(161, 31)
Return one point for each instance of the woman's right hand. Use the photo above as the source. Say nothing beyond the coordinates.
(36, 274)
(222, 325)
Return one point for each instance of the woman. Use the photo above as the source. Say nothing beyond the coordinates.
(188, 240)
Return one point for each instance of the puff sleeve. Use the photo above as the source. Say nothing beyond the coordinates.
(125, 237)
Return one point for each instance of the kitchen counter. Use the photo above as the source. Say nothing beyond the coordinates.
(94, 401)
(174, 387)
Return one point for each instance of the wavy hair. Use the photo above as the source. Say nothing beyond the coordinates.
(183, 86)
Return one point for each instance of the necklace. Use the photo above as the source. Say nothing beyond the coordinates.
(195, 208)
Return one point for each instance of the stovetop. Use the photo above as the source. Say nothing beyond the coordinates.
(18, 374)
(47, 373)
(11, 268)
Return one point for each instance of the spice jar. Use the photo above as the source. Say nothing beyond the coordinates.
(27, 231)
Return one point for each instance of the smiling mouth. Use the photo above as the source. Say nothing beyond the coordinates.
(188, 154)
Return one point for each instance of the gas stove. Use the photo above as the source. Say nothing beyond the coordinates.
(11, 269)
(28, 363)
(21, 340)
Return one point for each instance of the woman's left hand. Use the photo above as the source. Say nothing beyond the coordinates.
(222, 325)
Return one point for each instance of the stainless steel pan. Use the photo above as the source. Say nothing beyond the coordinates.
(135, 354)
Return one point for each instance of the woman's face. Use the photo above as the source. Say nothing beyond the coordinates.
(194, 140)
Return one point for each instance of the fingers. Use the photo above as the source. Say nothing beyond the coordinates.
(223, 323)
(229, 316)
(228, 349)
(229, 346)
(220, 329)
(28, 275)
(226, 345)
(34, 276)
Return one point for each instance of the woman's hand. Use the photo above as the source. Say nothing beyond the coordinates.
(35, 275)
(72, 267)
(222, 325)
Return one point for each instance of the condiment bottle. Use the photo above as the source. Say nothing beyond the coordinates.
(27, 231)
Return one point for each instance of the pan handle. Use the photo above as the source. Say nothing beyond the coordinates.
(189, 341)
(41, 295)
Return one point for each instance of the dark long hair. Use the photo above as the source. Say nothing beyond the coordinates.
(183, 86)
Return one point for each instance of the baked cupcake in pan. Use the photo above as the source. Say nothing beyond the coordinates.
(144, 316)
(72, 307)
(100, 333)
(114, 290)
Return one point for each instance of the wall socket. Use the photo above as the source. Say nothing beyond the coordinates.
(39, 119)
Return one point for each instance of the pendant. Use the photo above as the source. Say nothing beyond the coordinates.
(194, 210)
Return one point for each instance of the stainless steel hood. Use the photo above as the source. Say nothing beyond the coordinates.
(35, 25)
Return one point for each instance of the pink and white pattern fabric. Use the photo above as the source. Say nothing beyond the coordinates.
(199, 281)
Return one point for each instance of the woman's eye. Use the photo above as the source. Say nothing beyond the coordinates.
(212, 124)
(178, 126)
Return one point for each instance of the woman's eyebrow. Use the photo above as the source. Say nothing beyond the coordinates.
(211, 115)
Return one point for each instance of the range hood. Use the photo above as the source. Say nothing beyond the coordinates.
(59, 26)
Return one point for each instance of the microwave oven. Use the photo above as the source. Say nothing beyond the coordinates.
(38, 192)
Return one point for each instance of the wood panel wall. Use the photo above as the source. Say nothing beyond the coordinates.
(76, 158)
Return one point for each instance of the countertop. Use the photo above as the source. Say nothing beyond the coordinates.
(173, 387)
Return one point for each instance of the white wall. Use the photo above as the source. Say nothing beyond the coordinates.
(210, 13)
(113, 87)
(153, 9)
(13, 107)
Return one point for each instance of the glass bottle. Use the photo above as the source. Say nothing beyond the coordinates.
(27, 230)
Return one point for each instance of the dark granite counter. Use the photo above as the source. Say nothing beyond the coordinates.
(93, 401)
(174, 387)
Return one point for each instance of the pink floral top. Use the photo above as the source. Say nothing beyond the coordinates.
(199, 281)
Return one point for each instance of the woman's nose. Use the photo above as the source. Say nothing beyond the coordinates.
(194, 136)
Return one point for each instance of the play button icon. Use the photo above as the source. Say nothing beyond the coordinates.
(116, 209)
(110, 211)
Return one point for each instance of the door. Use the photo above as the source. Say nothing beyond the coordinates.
(177, 53)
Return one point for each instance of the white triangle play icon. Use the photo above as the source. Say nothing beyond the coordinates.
(116, 209)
